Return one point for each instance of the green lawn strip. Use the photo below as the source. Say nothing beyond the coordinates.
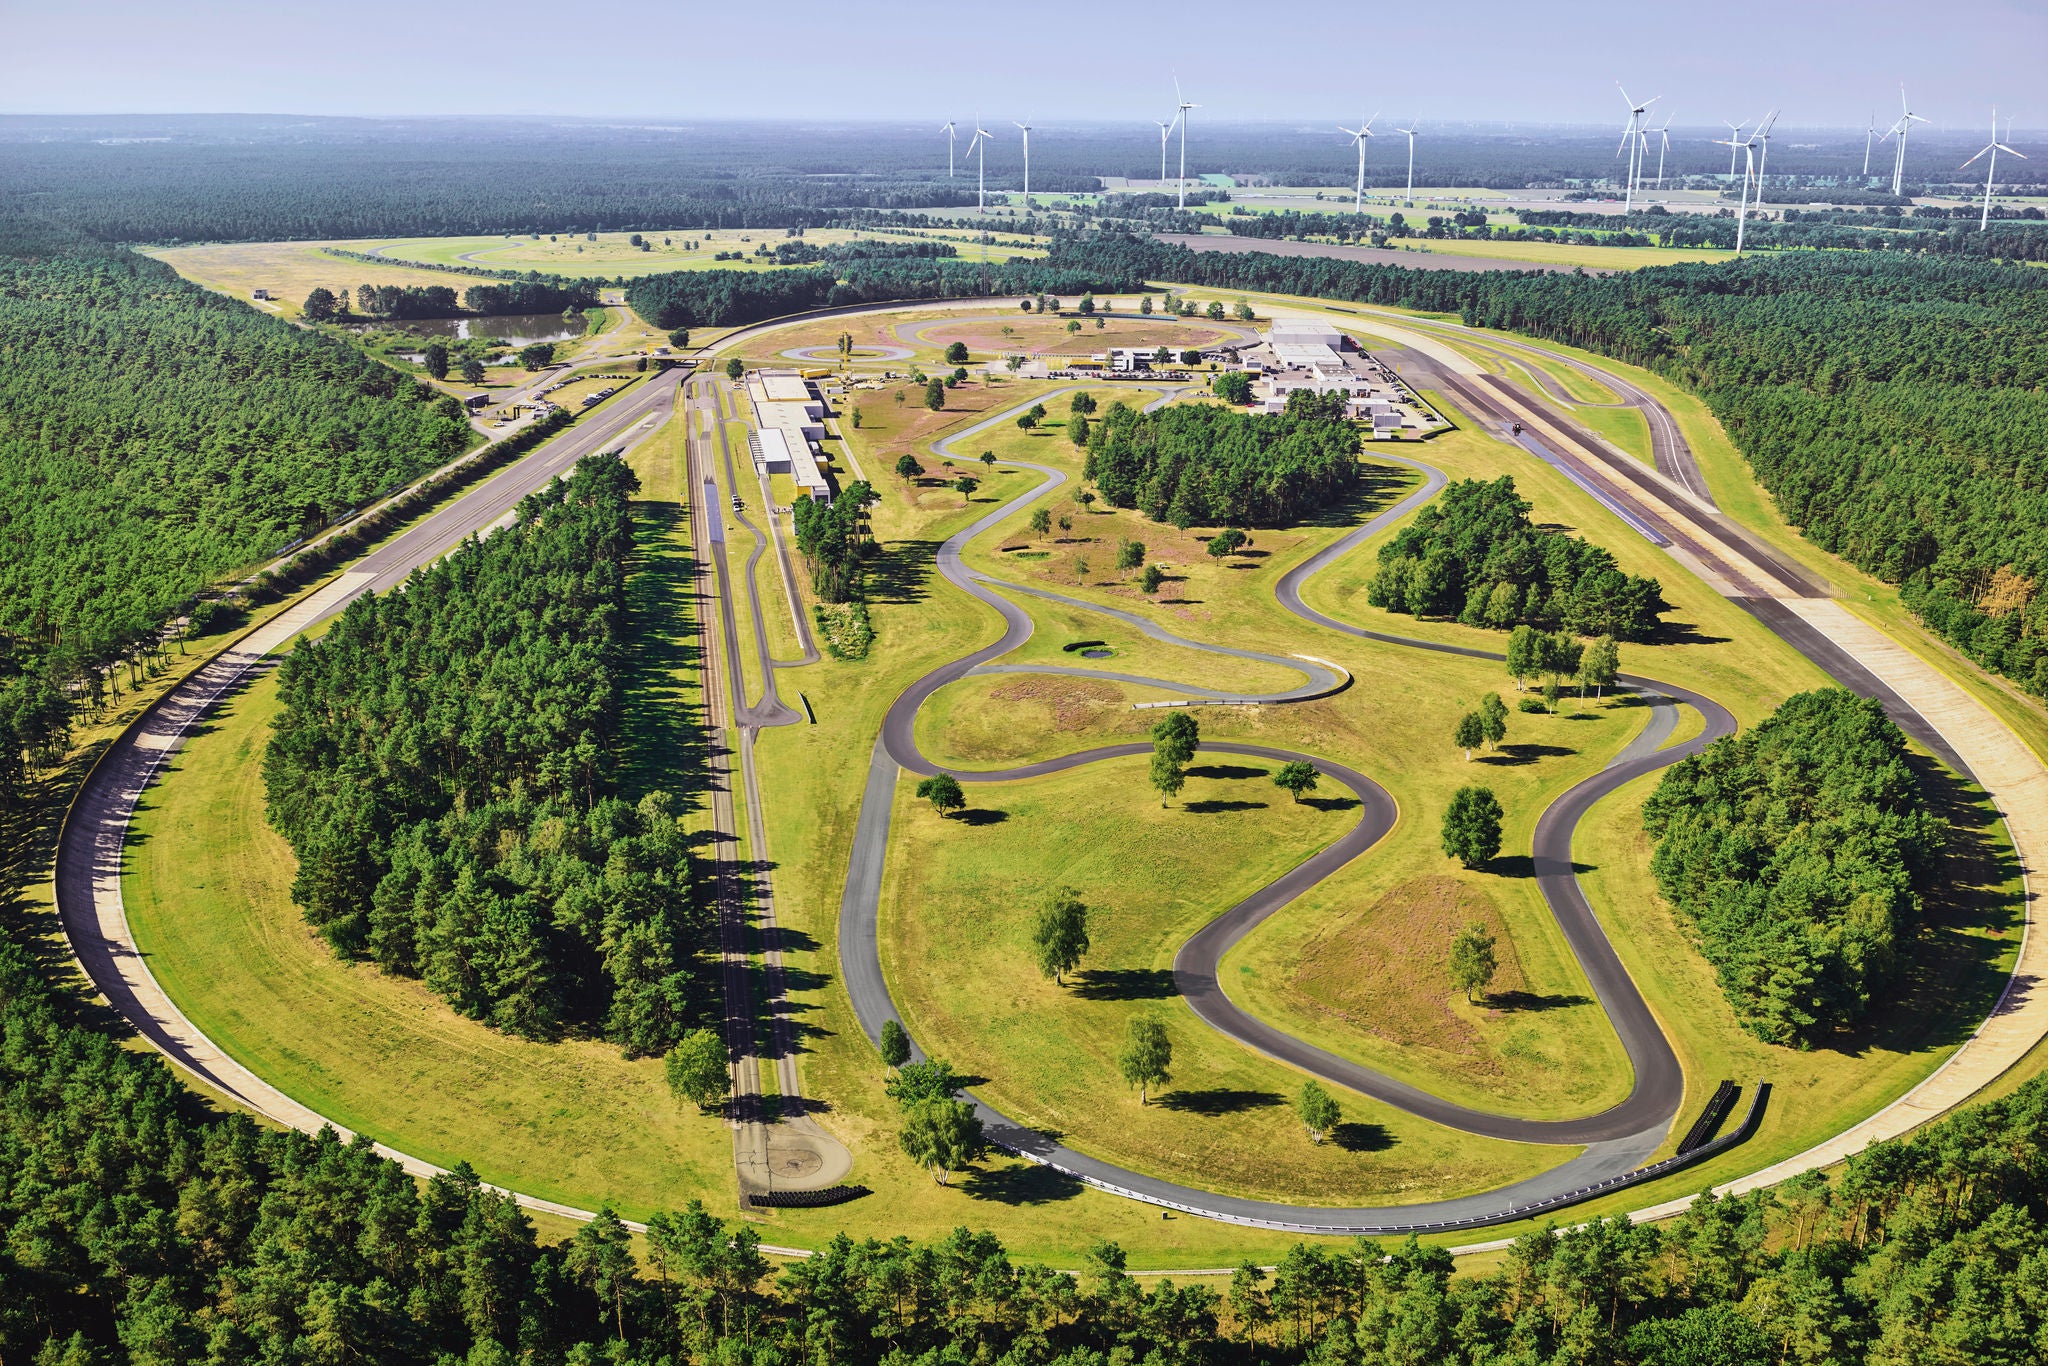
(1624, 428)
(958, 903)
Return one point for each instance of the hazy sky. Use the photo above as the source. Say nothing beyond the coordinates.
(1825, 62)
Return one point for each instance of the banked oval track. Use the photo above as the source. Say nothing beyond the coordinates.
(1616, 1141)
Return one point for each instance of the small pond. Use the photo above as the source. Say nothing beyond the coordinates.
(1096, 654)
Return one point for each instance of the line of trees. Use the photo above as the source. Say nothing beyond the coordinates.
(836, 542)
(1200, 465)
(1473, 554)
(443, 766)
(729, 298)
(1798, 850)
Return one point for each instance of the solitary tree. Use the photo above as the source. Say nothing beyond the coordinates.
(1145, 305)
(1215, 310)
(319, 305)
(895, 1045)
(907, 467)
(681, 337)
(1077, 429)
(435, 359)
(1296, 777)
(1129, 553)
(1191, 357)
(942, 790)
(956, 354)
(1473, 962)
(537, 355)
(735, 368)
(1227, 542)
(1233, 386)
(1146, 1055)
(1061, 936)
(1085, 498)
(1471, 731)
(472, 370)
(967, 484)
(1493, 717)
(943, 1134)
(1316, 1109)
(988, 458)
(1151, 579)
(1167, 776)
(1525, 654)
(1041, 521)
(1081, 402)
(698, 1069)
(1073, 327)
(1179, 735)
(1027, 421)
(935, 394)
(1471, 832)
(1600, 667)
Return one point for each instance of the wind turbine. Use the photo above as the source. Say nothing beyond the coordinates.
(1027, 162)
(1411, 132)
(951, 137)
(1907, 118)
(1869, 133)
(1994, 147)
(1763, 158)
(978, 149)
(1165, 132)
(1182, 120)
(1632, 143)
(1734, 131)
(1358, 138)
(1748, 146)
(1663, 132)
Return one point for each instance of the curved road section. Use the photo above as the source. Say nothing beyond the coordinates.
(1616, 1141)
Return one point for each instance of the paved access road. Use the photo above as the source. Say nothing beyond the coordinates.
(1617, 1140)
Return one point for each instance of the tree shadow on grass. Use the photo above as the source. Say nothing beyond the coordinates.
(1023, 1183)
(1330, 803)
(901, 571)
(1523, 865)
(1218, 1100)
(981, 815)
(1534, 1000)
(1516, 755)
(1362, 1138)
(1212, 808)
(1124, 984)
(1226, 771)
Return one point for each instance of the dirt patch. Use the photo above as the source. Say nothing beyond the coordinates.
(1387, 969)
(1073, 703)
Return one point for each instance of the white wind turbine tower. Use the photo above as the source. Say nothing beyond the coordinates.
(1358, 138)
(1027, 163)
(1411, 132)
(1182, 119)
(1165, 132)
(978, 149)
(1748, 146)
(1993, 148)
(1734, 132)
(952, 137)
(1869, 134)
(1663, 132)
(1632, 143)
(1907, 118)
(1763, 158)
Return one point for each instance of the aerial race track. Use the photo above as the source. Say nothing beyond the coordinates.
(1666, 503)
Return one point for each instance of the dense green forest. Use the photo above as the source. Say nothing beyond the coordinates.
(728, 298)
(444, 768)
(1473, 554)
(1797, 850)
(155, 437)
(1895, 406)
(137, 1228)
(1199, 465)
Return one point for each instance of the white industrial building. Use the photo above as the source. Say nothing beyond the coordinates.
(789, 421)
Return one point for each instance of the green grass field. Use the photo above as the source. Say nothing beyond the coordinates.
(612, 254)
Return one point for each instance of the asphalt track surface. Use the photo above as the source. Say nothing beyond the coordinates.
(1615, 1141)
